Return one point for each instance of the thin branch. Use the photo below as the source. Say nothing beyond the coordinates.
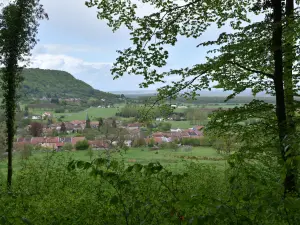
(178, 90)
(173, 21)
(269, 75)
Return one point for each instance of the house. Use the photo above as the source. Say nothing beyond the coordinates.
(198, 130)
(36, 117)
(50, 142)
(94, 124)
(46, 115)
(78, 122)
(65, 140)
(37, 140)
(133, 126)
(98, 144)
(176, 130)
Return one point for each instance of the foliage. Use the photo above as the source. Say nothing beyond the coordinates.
(90, 134)
(82, 145)
(169, 145)
(196, 116)
(139, 142)
(2, 140)
(59, 110)
(63, 128)
(67, 147)
(18, 30)
(36, 129)
(260, 55)
(164, 126)
(148, 194)
(40, 83)
(26, 152)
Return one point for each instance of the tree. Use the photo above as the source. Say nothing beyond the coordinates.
(258, 55)
(164, 126)
(100, 122)
(2, 140)
(87, 122)
(114, 123)
(18, 29)
(63, 128)
(82, 145)
(36, 129)
(68, 147)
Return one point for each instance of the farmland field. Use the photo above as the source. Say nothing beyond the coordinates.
(180, 124)
(92, 112)
(174, 160)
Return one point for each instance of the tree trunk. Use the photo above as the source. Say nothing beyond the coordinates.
(289, 57)
(10, 108)
(289, 181)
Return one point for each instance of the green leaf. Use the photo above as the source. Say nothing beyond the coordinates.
(80, 164)
(26, 221)
(114, 200)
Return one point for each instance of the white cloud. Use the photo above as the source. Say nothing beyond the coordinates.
(97, 74)
(65, 49)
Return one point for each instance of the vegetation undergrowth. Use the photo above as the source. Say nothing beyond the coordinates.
(55, 190)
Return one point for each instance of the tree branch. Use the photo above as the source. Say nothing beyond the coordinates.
(269, 75)
(187, 83)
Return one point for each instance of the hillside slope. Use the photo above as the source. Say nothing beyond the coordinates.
(40, 83)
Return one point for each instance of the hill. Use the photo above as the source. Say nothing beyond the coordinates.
(40, 83)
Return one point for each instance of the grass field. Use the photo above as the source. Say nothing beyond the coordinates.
(180, 124)
(174, 160)
(92, 112)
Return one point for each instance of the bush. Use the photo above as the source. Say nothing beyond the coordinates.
(67, 147)
(139, 142)
(82, 145)
(45, 193)
(59, 110)
(191, 141)
(27, 151)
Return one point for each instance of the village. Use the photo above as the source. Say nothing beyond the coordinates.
(56, 135)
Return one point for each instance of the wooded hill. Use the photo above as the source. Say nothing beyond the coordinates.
(40, 83)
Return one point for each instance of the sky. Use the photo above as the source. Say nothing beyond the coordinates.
(74, 40)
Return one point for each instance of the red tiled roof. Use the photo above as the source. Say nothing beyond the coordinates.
(157, 134)
(51, 140)
(158, 140)
(199, 127)
(78, 122)
(37, 140)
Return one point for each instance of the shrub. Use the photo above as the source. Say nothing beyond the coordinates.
(60, 110)
(67, 147)
(139, 142)
(82, 145)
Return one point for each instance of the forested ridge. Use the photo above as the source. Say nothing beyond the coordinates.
(39, 83)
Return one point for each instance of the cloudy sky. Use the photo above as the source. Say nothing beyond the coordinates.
(74, 40)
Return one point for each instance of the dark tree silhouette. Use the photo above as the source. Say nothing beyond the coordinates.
(63, 128)
(36, 129)
(18, 30)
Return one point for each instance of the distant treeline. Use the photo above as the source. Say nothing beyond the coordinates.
(137, 111)
(208, 100)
